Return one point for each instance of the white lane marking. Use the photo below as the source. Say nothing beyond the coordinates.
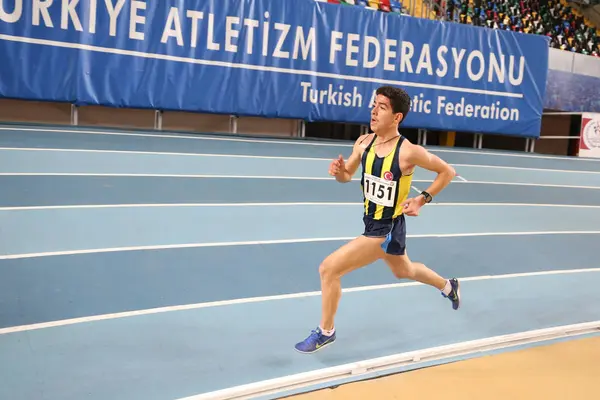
(170, 246)
(188, 136)
(290, 141)
(203, 176)
(276, 241)
(403, 360)
(474, 204)
(168, 205)
(160, 153)
(529, 184)
(517, 155)
(518, 233)
(332, 204)
(247, 300)
(36, 149)
(525, 168)
(315, 178)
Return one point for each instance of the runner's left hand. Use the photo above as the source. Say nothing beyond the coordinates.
(413, 205)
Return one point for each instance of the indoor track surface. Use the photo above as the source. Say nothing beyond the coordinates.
(168, 266)
(551, 371)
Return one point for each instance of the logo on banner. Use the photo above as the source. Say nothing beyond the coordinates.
(589, 138)
(591, 134)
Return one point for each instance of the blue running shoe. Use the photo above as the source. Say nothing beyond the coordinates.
(454, 294)
(315, 342)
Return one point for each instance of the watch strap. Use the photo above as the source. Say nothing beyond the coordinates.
(427, 196)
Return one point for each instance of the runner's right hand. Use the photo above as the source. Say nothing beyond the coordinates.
(337, 166)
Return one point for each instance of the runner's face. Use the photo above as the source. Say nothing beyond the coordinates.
(382, 116)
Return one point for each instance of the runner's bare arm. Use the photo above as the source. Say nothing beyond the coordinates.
(345, 170)
(420, 157)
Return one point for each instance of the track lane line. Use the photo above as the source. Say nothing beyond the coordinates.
(276, 241)
(160, 153)
(287, 204)
(526, 184)
(247, 300)
(38, 149)
(181, 136)
(460, 179)
(290, 141)
(526, 168)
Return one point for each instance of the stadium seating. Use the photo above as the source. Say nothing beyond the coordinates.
(567, 27)
(391, 6)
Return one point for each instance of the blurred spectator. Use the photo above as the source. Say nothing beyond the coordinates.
(566, 29)
(564, 26)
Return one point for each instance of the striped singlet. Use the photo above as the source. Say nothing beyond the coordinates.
(384, 187)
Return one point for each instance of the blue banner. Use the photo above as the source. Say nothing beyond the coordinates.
(290, 59)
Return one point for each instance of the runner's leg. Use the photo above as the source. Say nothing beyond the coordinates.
(397, 259)
(353, 255)
(404, 268)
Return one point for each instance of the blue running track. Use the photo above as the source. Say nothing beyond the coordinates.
(161, 266)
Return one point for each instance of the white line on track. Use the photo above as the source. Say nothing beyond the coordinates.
(460, 180)
(162, 153)
(525, 168)
(277, 241)
(167, 205)
(517, 155)
(527, 184)
(321, 204)
(203, 136)
(203, 176)
(474, 204)
(199, 176)
(36, 149)
(189, 136)
(247, 300)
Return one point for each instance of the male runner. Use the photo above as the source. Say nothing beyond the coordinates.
(388, 162)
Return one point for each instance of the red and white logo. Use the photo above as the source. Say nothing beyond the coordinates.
(590, 135)
(589, 142)
(388, 176)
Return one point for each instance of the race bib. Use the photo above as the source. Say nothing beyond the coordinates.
(379, 191)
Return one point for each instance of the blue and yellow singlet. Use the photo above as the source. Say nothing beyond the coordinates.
(384, 186)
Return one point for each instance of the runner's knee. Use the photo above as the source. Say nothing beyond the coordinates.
(326, 271)
(330, 269)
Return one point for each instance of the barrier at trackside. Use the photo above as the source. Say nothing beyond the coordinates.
(290, 59)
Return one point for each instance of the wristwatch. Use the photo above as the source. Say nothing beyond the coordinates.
(427, 196)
